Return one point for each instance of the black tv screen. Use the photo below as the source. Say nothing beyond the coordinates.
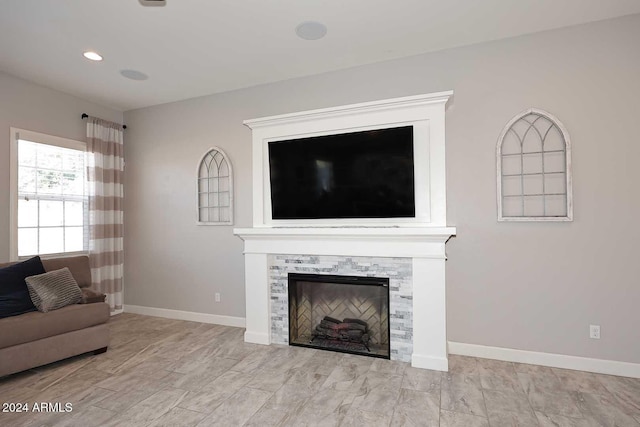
(352, 175)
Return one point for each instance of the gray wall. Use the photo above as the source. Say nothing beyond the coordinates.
(531, 286)
(28, 106)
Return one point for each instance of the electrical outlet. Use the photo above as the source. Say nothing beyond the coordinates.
(594, 332)
(217, 296)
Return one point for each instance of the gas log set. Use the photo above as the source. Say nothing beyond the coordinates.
(346, 331)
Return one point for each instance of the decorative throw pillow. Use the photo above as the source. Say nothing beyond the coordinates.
(53, 290)
(14, 295)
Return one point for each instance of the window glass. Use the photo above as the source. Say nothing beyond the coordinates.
(52, 204)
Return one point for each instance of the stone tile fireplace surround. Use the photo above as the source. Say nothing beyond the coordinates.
(398, 270)
(410, 252)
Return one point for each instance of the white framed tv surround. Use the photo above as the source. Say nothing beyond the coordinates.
(424, 112)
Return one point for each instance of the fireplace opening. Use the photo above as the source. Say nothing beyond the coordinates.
(348, 314)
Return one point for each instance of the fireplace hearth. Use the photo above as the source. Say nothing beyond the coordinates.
(348, 314)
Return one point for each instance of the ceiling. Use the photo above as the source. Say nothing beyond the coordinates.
(191, 48)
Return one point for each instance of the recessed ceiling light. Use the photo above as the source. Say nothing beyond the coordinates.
(92, 56)
(311, 30)
(134, 74)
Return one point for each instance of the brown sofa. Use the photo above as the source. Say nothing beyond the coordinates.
(33, 339)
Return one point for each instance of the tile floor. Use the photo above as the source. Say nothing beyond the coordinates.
(162, 372)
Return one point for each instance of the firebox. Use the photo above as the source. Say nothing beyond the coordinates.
(348, 314)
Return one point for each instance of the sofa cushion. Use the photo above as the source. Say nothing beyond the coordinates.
(53, 290)
(35, 325)
(79, 266)
(14, 295)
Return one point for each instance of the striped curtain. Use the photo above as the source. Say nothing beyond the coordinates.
(105, 170)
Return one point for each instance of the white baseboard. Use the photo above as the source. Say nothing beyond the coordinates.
(216, 319)
(600, 366)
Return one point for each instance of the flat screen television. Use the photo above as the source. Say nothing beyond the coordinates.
(367, 174)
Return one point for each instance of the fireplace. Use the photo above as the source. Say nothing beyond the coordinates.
(410, 251)
(347, 314)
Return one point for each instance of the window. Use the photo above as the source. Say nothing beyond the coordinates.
(215, 189)
(534, 169)
(49, 201)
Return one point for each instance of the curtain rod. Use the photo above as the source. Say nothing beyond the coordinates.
(85, 115)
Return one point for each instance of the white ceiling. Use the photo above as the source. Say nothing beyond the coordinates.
(191, 48)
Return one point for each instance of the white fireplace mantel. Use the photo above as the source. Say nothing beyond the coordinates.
(424, 246)
(421, 238)
(403, 242)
